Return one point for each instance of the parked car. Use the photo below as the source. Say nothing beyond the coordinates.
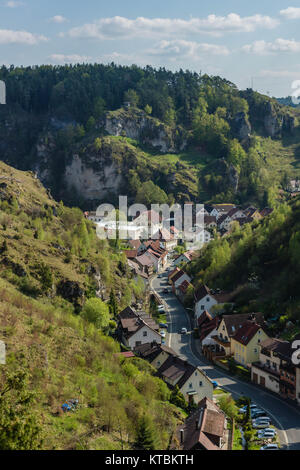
(160, 276)
(265, 434)
(161, 308)
(269, 447)
(163, 334)
(253, 406)
(260, 424)
(262, 431)
(163, 325)
(183, 331)
(258, 414)
(166, 290)
(215, 384)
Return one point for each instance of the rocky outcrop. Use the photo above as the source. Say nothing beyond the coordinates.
(70, 291)
(276, 122)
(136, 124)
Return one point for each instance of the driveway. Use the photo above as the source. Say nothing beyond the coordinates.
(285, 416)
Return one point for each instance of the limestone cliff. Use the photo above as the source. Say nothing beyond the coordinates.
(136, 124)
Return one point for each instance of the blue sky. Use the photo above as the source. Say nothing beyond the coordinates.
(239, 40)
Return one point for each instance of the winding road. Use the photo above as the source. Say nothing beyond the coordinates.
(285, 417)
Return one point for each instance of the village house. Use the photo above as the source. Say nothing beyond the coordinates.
(145, 263)
(246, 342)
(207, 331)
(266, 211)
(253, 212)
(266, 371)
(92, 215)
(172, 274)
(204, 300)
(136, 328)
(204, 429)
(191, 380)
(155, 354)
(167, 239)
(184, 258)
(225, 221)
(182, 289)
(178, 279)
(288, 385)
(229, 326)
(221, 209)
(210, 222)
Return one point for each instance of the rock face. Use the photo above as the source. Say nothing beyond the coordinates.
(137, 125)
(93, 183)
(275, 123)
(70, 291)
(241, 127)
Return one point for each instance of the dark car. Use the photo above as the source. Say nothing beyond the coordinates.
(166, 290)
(163, 325)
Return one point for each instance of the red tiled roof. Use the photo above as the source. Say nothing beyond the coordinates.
(135, 244)
(207, 328)
(144, 260)
(178, 276)
(246, 332)
(204, 318)
(130, 254)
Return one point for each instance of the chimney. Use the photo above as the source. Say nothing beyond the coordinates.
(181, 436)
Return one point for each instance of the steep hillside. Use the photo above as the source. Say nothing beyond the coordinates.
(261, 262)
(58, 334)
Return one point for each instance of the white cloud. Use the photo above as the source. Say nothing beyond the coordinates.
(8, 36)
(71, 58)
(291, 13)
(179, 49)
(120, 27)
(58, 19)
(279, 45)
(279, 74)
(13, 4)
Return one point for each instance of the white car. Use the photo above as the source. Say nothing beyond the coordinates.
(266, 434)
(253, 406)
(183, 331)
(161, 308)
(261, 424)
(163, 334)
(269, 447)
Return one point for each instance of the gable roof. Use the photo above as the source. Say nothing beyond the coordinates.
(236, 321)
(130, 254)
(150, 351)
(176, 368)
(135, 244)
(201, 292)
(208, 420)
(184, 286)
(132, 321)
(172, 273)
(276, 345)
(207, 328)
(266, 211)
(223, 207)
(245, 334)
(144, 260)
(178, 275)
(204, 318)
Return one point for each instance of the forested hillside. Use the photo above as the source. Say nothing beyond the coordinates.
(261, 263)
(234, 145)
(59, 335)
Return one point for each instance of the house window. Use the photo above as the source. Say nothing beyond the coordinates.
(207, 299)
(202, 307)
(191, 385)
(144, 333)
(200, 384)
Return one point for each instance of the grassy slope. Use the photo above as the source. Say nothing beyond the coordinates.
(65, 356)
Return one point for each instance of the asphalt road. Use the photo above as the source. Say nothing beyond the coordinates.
(284, 416)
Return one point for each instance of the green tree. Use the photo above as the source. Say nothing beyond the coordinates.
(19, 428)
(149, 193)
(113, 304)
(97, 312)
(131, 97)
(145, 439)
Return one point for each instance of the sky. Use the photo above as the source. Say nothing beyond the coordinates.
(248, 42)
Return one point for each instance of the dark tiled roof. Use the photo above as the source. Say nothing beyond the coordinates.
(234, 322)
(175, 368)
(130, 254)
(178, 276)
(201, 292)
(132, 321)
(135, 244)
(204, 318)
(206, 421)
(209, 327)
(150, 351)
